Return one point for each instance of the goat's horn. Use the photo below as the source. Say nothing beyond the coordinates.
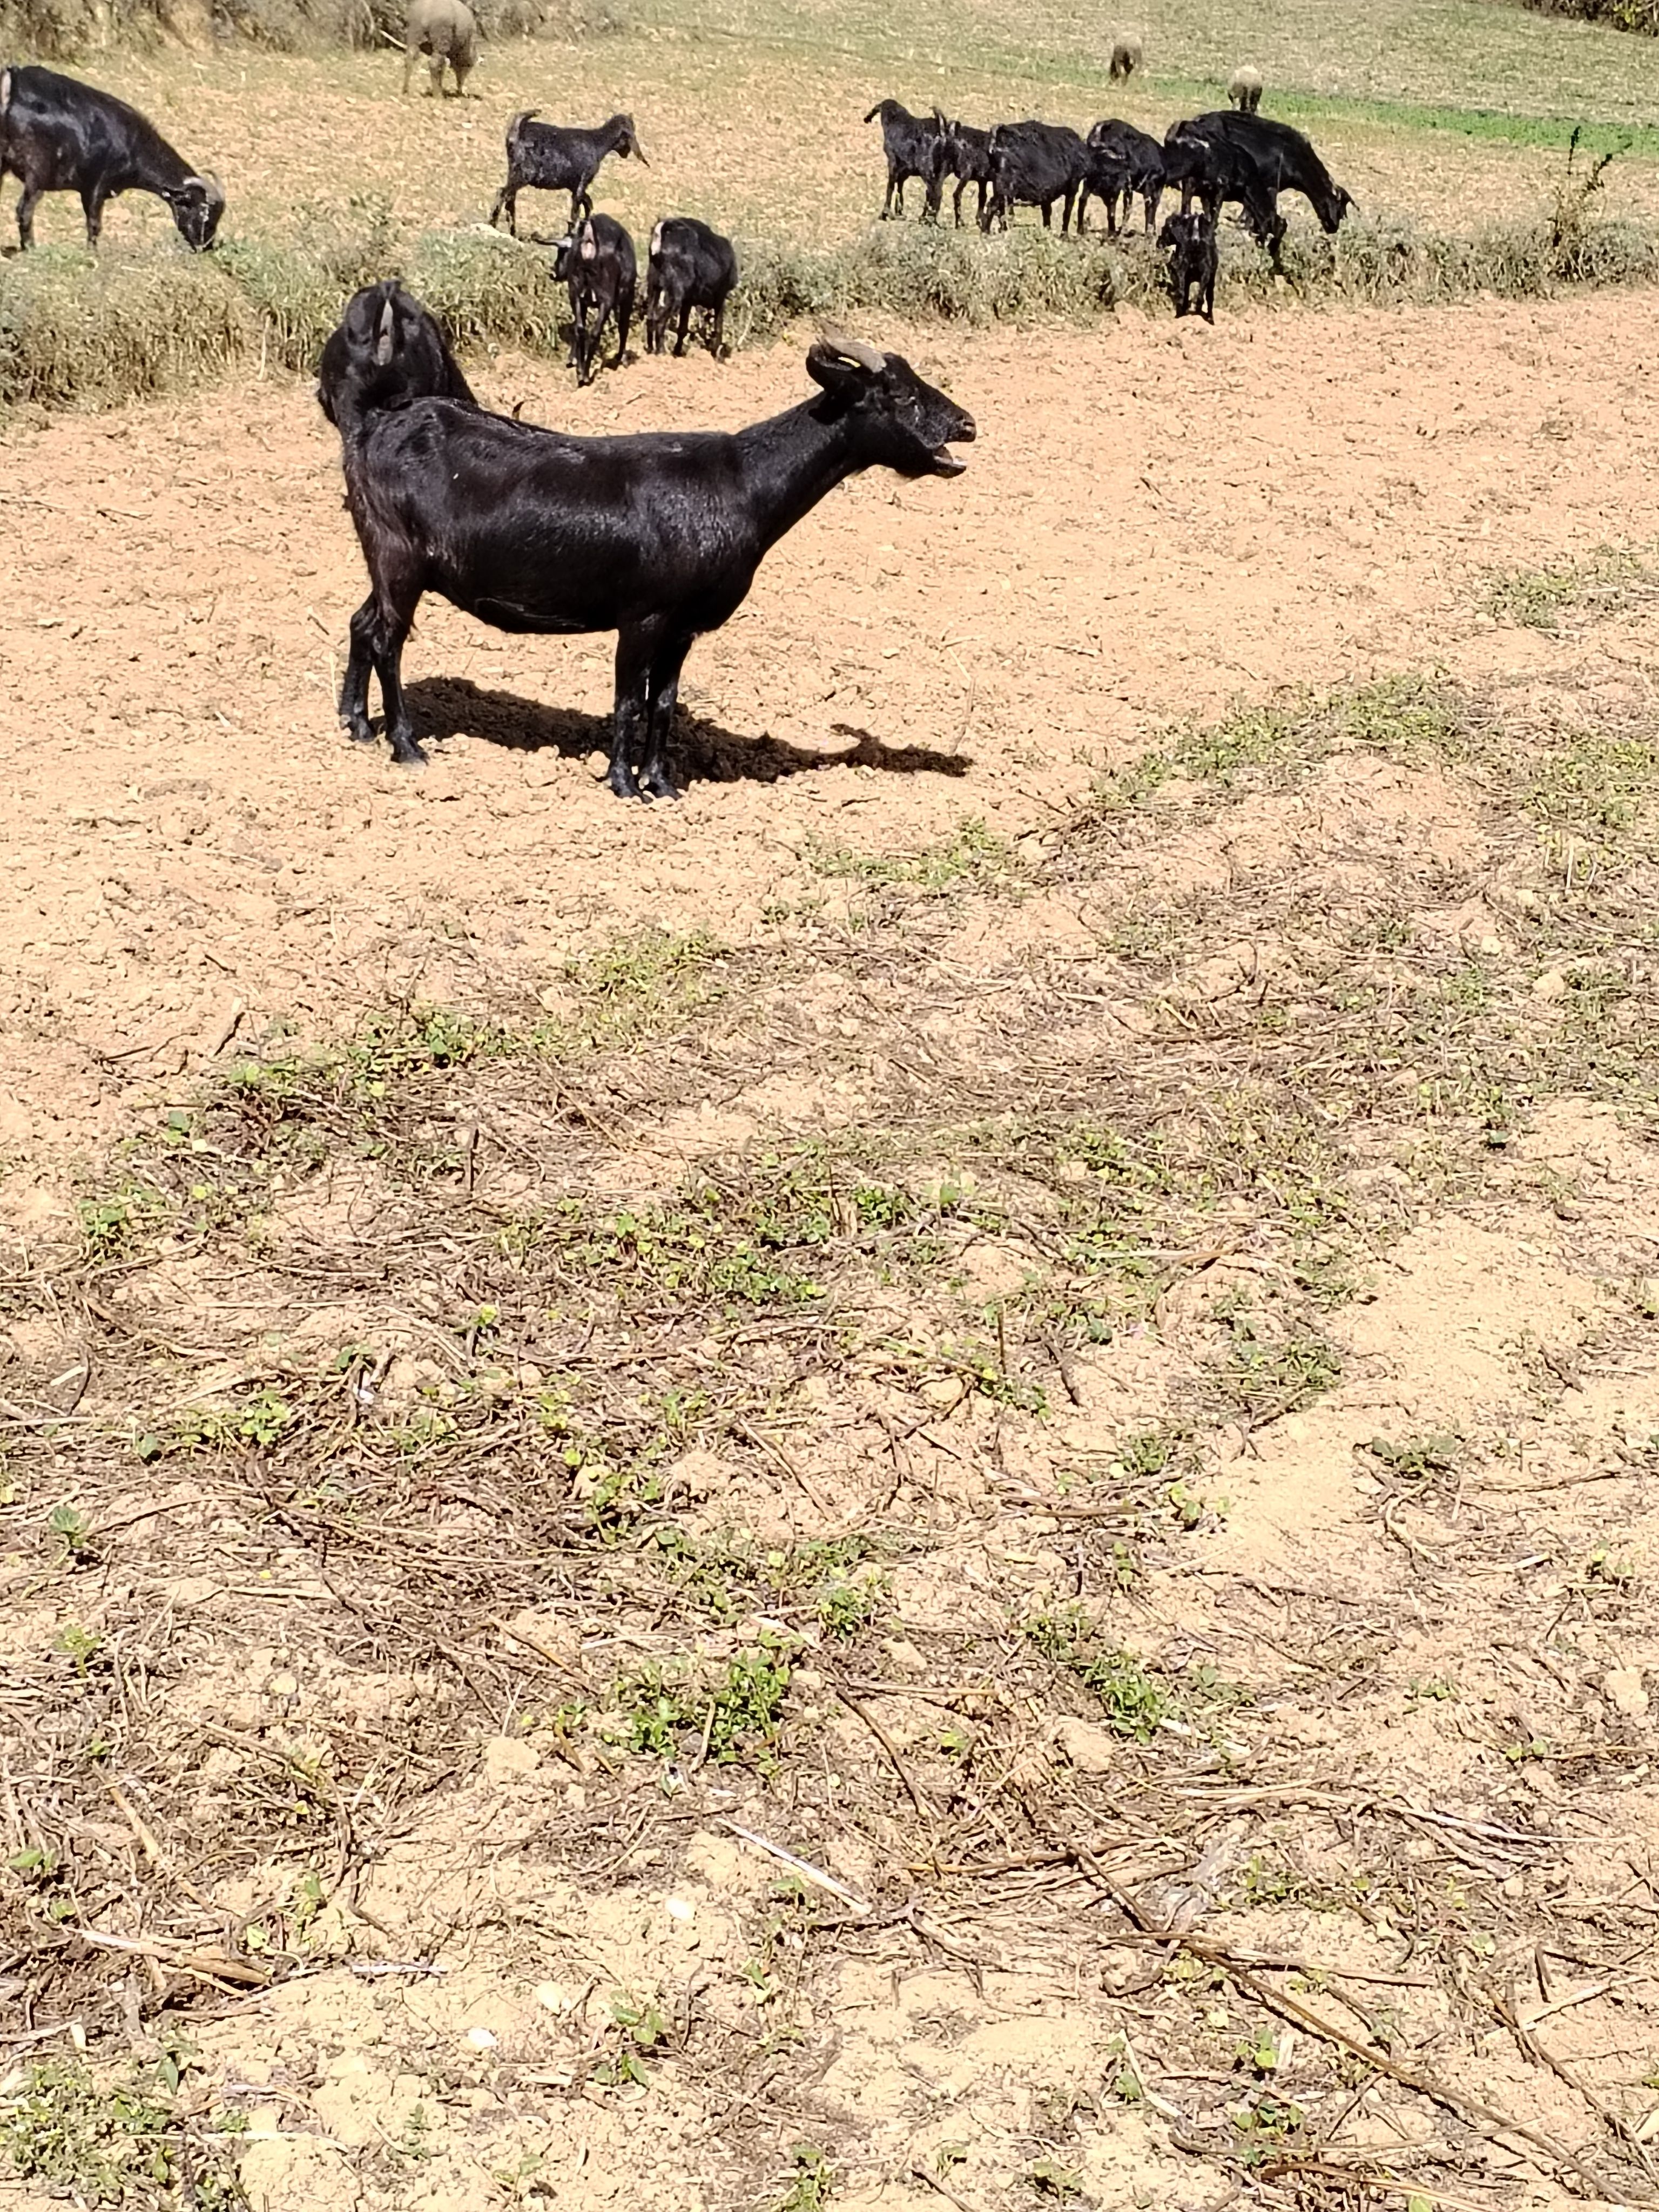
(851, 348)
(383, 344)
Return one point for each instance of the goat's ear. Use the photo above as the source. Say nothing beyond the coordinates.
(384, 344)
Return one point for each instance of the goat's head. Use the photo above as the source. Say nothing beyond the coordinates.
(198, 205)
(901, 422)
(1332, 208)
(628, 139)
(385, 351)
(564, 256)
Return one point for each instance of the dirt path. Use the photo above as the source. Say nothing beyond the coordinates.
(1153, 522)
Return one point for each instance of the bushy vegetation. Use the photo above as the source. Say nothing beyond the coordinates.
(1618, 15)
(76, 331)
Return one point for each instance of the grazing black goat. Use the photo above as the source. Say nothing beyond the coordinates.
(690, 266)
(1215, 172)
(597, 263)
(545, 158)
(657, 537)
(1189, 241)
(913, 145)
(1251, 158)
(1034, 165)
(1285, 161)
(1122, 161)
(58, 135)
(965, 155)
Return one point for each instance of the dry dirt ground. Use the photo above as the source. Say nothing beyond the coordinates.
(1043, 1298)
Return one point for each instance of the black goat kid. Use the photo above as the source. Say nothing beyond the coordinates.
(1189, 241)
(58, 135)
(599, 266)
(546, 158)
(657, 537)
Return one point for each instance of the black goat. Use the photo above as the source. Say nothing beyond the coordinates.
(1189, 241)
(1251, 158)
(913, 145)
(690, 266)
(1034, 165)
(965, 155)
(1216, 172)
(1285, 161)
(599, 264)
(1122, 161)
(58, 135)
(657, 537)
(545, 158)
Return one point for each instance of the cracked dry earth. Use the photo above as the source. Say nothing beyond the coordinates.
(1067, 1338)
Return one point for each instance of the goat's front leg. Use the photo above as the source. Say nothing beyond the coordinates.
(667, 663)
(624, 317)
(92, 206)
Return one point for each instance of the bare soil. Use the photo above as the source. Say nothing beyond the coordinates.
(1211, 1220)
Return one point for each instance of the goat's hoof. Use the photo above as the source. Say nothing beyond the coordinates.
(656, 783)
(360, 732)
(408, 755)
(622, 783)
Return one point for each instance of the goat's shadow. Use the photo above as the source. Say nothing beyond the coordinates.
(453, 706)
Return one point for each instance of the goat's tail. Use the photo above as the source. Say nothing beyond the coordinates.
(519, 122)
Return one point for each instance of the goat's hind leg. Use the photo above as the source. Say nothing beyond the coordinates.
(378, 631)
(354, 690)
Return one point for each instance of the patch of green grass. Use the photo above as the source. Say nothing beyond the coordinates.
(1270, 746)
(1266, 1379)
(256, 1423)
(1605, 583)
(812, 2184)
(730, 1576)
(973, 856)
(640, 983)
(1595, 783)
(119, 2141)
(1132, 1702)
(725, 1714)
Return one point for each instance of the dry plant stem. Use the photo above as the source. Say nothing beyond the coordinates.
(1487, 2118)
(887, 1744)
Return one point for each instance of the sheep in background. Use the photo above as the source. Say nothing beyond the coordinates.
(445, 31)
(1244, 89)
(1127, 55)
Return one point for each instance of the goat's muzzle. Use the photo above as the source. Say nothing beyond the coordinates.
(947, 463)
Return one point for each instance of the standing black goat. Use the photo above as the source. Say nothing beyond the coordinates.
(1189, 241)
(913, 145)
(965, 155)
(599, 264)
(1122, 161)
(657, 537)
(58, 135)
(545, 158)
(690, 266)
(1034, 165)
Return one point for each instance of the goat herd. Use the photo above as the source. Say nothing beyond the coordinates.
(656, 536)
(1234, 156)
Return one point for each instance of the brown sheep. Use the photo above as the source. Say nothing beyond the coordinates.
(1244, 89)
(445, 31)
